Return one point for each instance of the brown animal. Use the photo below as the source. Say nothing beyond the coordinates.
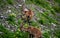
(27, 15)
(32, 30)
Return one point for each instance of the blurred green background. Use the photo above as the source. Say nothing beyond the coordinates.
(47, 17)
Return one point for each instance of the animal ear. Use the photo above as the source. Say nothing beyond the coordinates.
(25, 11)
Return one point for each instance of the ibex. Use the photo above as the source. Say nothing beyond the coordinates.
(36, 33)
(27, 14)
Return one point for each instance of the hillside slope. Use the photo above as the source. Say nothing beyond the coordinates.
(46, 17)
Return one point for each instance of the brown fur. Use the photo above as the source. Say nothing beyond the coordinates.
(29, 13)
(33, 31)
(27, 16)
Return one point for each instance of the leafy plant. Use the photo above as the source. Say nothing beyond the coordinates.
(11, 18)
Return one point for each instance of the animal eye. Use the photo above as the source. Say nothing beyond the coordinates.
(25, 11)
